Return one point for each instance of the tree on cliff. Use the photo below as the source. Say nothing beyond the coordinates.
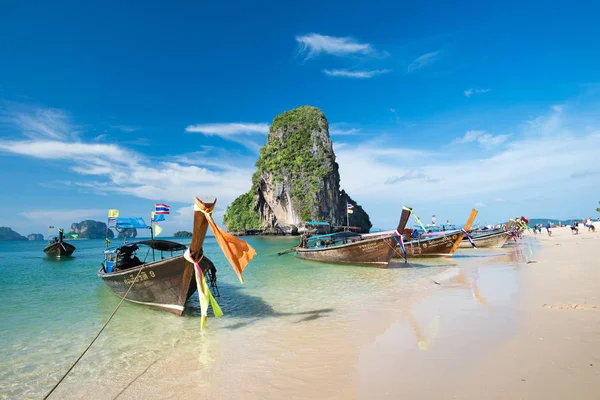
(297, 179)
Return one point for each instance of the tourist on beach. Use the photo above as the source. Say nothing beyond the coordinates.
(548, 228)
(574, 228)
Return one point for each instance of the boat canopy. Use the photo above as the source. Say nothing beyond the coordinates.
(163, 245)
(338, 235)
(128, 223)
(317, 223)
(160, 245)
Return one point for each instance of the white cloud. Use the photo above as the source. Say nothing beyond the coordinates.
(236, 132)
(314, 44)
(423, 60)
(413, 174)
(62, 215)
(528, 165)
(355, 74)
(124, 128)
(485, 139)
(480, 204)
(44, 123)
(229, 129)
(470, 92)
(342, 129)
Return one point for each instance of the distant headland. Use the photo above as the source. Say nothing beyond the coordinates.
(7, 234)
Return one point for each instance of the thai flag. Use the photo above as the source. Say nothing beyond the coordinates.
(350, 206)
(162, 209)
(112, 221)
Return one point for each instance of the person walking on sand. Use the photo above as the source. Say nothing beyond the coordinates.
(549, 228)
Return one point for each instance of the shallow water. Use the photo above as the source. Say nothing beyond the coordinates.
(288, 311)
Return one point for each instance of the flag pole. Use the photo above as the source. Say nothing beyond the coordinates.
(152, 234)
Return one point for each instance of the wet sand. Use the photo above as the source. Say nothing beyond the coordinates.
(517, 322)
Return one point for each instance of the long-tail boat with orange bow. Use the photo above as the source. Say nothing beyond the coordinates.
(374, 249)
(444, 244)
(167, 283)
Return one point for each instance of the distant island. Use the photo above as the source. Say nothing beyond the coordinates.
(297, 181)
(182, 234)
(89, 229)
(35, 236)
(7, 234)
(129, 233)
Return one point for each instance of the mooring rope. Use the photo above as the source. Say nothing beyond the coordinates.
(406, 262)
(97, 335)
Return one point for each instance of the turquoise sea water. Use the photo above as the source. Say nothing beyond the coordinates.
(51, 309)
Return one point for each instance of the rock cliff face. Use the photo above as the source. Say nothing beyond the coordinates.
(7, 234)
(35, 236)
(89, 229)
(297, 180)
(127, 233)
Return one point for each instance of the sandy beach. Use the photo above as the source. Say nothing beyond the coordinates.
(522, 322)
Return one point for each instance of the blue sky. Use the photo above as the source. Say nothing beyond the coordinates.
(441, 107)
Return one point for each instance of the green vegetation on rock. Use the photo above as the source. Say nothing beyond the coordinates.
(292, 151)
(297, 179)
(240, 215)
(182, 234)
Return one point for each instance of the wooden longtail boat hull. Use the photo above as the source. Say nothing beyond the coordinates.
(436, 246)
(429, 247)
(375, 252)
(496, 239)
(164, 285)
(374, 249)
(59, 249)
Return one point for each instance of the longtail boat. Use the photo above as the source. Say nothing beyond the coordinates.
(167, 283)
(57, 247)
(495, 238)
(444, 244)
(371, 249)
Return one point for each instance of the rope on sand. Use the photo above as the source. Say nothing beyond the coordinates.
(96, 337)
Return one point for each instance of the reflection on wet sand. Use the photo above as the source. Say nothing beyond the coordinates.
(467, 276)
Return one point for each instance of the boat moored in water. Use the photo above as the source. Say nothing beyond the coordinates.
(442, 244)
(374, 249)
(169, 272)
(57, 247)
(493, 239)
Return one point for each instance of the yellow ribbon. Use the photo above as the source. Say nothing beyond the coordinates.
(204, 294)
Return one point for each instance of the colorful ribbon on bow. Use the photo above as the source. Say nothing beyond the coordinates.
(204, 294)
(238, 252)
(400, 242)
(469, 237)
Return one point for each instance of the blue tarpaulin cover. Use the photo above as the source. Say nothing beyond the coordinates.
(136, 222)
